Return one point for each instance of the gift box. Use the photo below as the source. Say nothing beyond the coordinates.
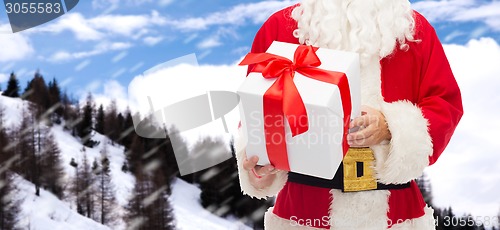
(296, 104)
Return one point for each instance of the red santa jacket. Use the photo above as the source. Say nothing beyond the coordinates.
(417, 93)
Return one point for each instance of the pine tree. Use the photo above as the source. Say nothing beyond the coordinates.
(76, 186)
(12, 89)
(87, 191)
(127, 130)
(70, 113)
(110, 119)
(105, 192)
(498, 219)
(8, 207)
(134, 155)
(120, 122)
(84, 127)
(149, 207)
(99, 123)
(38, 93)
(55, 102)
(136, 216)
(28, 149)
(53, 171)
(425, 188)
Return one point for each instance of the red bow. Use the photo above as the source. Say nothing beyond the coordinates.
(282, 99)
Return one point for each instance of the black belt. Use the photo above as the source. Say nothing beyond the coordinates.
(337, 182)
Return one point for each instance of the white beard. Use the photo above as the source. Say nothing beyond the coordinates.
(365, 26)
(371, 28)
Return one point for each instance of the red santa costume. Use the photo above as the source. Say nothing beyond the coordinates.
(406, 76)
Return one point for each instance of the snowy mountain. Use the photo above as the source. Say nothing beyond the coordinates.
(48, 212)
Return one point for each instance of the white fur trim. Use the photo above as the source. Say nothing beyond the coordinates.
(424, 222)
(345, 212)
(246, 187)
(274, 222)
(410, 145)
(359, 210)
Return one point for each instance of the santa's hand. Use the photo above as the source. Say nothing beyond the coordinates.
(260, 176)
(373, 128)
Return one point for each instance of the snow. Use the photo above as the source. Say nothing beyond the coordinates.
(71, 148)
(189, 213)
(47, 212)
(13, 110)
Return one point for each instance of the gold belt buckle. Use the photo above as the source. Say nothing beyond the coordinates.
(359, 161)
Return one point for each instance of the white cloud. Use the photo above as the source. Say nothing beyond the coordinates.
(151, 41)
(75, 23)
(465, 175)
(461, 11)
(105, 4)
(96, 28)
(126, 25)
(14, 46)
(100, 48)
(210, 42)
(214, 40)
(112, 90)
(237, 15)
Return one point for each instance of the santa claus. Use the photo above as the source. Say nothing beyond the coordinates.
(412, 105)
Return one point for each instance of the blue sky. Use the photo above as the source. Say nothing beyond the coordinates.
(111, 39)
(101, 45)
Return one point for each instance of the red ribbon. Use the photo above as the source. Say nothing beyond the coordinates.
(282, 99)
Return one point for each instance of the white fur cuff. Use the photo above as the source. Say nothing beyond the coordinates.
(410, 146)
(246, 187)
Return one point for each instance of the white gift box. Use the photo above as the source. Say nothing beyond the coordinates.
(317, 152)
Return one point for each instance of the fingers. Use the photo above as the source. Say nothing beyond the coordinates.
(265, 170)
(366, 142)
(249, 164)
(360, 121)
(373, 128)
(257, 170)
(362, 133)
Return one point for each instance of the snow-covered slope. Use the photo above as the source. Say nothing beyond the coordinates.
(50, 213)
(13, 110)
(47, 212)
(71, 148)
(189, 213)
